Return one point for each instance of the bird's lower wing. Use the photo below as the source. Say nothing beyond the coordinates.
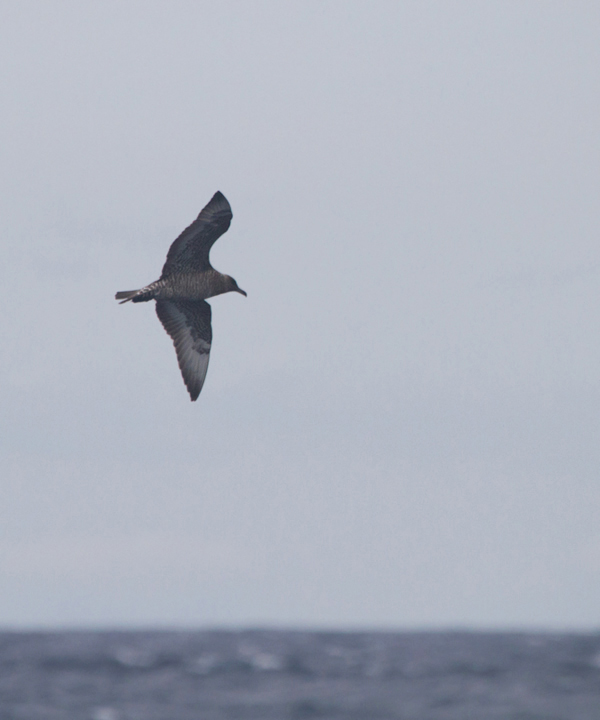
(188, 324)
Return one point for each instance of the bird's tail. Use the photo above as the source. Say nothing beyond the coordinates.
(125, 295)
(142, 295)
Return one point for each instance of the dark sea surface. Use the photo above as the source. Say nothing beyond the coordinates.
(281, 675)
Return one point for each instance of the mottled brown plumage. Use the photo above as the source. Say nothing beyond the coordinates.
(186, 281)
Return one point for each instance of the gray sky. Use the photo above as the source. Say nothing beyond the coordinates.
(400, 424)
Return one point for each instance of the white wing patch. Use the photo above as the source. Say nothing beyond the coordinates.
(188, 324)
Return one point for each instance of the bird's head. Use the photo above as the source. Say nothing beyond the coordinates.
(232, 286)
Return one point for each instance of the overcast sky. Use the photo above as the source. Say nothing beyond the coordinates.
(400, 424)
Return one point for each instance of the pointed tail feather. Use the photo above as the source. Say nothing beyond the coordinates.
(125, 295)
(142, 295)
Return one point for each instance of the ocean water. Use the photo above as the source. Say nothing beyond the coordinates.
(285, 675)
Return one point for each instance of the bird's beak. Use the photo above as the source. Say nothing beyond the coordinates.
(242, 292)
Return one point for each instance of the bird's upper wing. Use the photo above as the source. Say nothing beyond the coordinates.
(188, 324)
(189, 253)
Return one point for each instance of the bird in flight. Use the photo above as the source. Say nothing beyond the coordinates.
(187, 280)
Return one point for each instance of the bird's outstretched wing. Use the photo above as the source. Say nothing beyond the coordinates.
(189, 253)
(188, 324)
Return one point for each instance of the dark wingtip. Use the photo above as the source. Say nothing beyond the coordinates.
(219, 199)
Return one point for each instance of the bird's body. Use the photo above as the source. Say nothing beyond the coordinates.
(187, 280)
(184, 286)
